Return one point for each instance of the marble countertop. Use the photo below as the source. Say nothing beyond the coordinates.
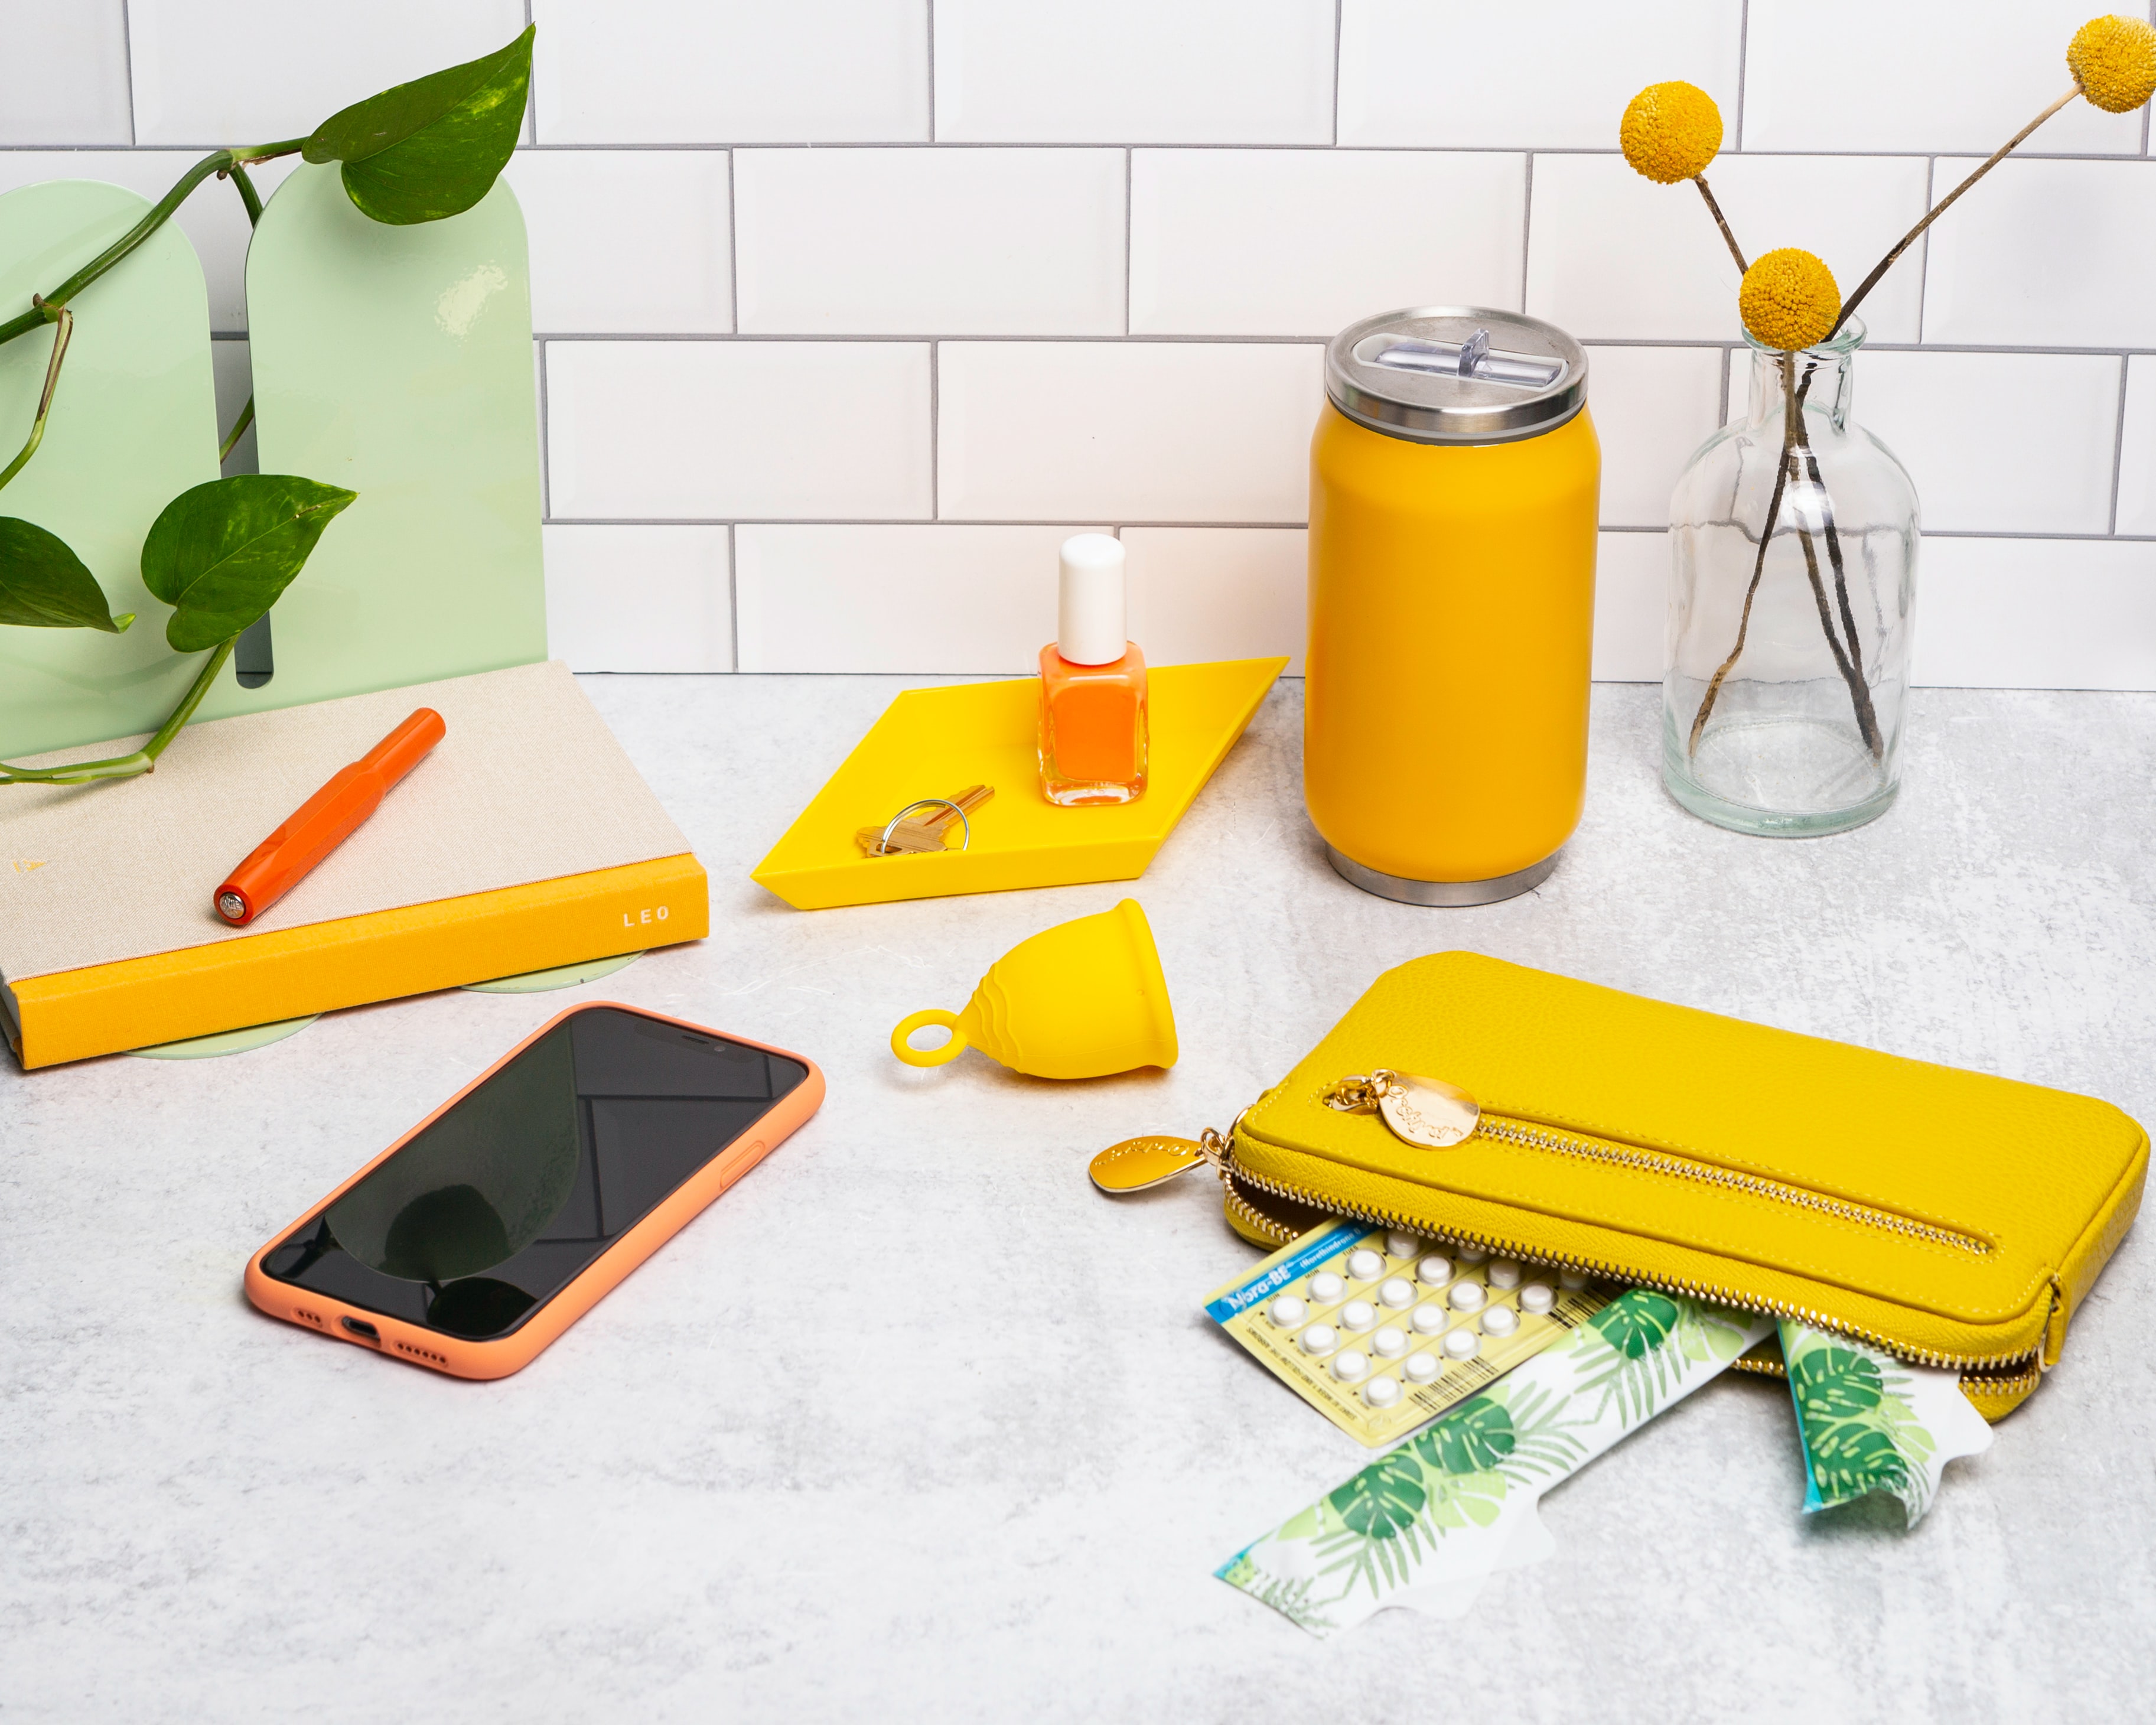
(914, 1425)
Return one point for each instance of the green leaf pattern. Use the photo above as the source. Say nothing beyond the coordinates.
(1868, 1423)
(1440, 1511)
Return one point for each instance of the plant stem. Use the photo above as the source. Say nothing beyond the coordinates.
(1860, 697)
(1940, 208)
(1758, 563)
(247, 195)
(217, 161)
(62, 330)
(144, 759)
(1721, 222)
(245, 419)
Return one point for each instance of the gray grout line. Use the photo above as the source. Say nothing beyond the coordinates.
(1924, 261)
(530, 92)
(1130, 178)
(545, 456)
(1743, 66)
(733, 249)
(1339, 8)
(1092, 523)
(733, 601)
(2118, 447)
(1728, 355)
(127, 61)
(931, 71)
(1527, 228)
(935, 431)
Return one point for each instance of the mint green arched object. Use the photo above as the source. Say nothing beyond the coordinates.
(397, 362)
(133, 424)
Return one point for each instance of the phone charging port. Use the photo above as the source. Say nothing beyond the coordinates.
(361, 1327)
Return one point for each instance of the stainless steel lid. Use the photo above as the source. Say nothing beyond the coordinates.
(1456, 374)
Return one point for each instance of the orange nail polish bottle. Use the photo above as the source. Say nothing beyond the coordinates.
(1092, 683)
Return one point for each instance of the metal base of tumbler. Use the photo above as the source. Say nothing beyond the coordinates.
(1442, 892)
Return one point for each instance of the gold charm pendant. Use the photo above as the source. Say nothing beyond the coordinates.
(1136, 1164)
(1426, 1112)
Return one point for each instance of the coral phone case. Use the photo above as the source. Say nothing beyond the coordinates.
(500, 1356)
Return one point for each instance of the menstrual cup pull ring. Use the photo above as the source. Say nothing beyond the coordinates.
(1080, 1000)
(932, 1056)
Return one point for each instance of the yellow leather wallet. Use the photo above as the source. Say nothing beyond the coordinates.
(1954, 1218)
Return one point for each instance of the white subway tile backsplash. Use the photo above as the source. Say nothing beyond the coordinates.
(882, 598)
(1917, 75)
(2012, 442)
(1551, 75)
(1615, 257)
(2033, 613)
(1143, 431)
(1304, 242)
(1632, 607)
(2136, 451)
(638, 598)
(627, 241)
(930, 242)
(1199, 593)
(213, 219)
(707, 430)
(2044, 253)
(64, 77)
(212, 72)
(731, 71)
(1134, 71)
(1652, 408)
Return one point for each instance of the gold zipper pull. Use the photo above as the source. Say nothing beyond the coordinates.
(1426, 1112)
(1137, 1164)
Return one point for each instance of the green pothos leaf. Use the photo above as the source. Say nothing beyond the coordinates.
(43, 584)
(433, 147)
(1384, 1500)
(1471, 1439)
(222, 552)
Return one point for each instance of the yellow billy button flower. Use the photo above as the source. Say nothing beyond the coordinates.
(1788, 300)
(1671, 131)
(2113, 60)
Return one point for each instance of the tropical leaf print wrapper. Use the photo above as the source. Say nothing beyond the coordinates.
(1869, 1423)
(1426, 1523)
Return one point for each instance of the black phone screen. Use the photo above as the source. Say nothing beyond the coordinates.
(496, 1206)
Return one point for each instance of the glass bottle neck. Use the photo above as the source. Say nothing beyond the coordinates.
(1820, 377)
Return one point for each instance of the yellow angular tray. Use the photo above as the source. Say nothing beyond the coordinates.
(931, 743)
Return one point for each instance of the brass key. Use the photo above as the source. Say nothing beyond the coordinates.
(924, 832)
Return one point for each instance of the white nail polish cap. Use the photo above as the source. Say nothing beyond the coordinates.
(1092, 621)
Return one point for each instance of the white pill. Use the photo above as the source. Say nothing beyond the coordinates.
(1382, 1392)
(1537, 1296)
(1389, 1343)
(1574, 1280)
(1358, 1315)
(1318, 1338)
(1423, 1367)
(1347, 1365)
(1396, 1292)
(1468, 1296)
(1400, 1245)
(1287, 1312)
(1434, 1272)
(1463, 1344)
(1326, 1288)
(1364, 1266)
(1500, 1320)
(1429, 1320)
(1504, 1274)
(1473, 1255)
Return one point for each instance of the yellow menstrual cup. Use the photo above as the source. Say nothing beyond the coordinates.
(1080, 1000)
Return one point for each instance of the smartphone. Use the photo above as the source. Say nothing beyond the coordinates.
(506, 1214)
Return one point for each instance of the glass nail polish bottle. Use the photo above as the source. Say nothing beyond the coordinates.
(1092, 683)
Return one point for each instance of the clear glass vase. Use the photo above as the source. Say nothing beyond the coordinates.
(1789, 666)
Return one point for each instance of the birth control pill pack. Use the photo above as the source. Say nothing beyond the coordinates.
(1381, 1331)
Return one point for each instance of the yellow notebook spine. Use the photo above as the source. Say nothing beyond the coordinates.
(289, 972)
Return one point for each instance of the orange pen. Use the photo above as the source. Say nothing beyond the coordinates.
(326, 819)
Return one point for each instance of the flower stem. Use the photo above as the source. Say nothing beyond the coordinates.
(1721, 222)
(63, 328)
(142, 760)
(1941, 208)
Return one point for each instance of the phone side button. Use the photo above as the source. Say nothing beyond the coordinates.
(741, 1160)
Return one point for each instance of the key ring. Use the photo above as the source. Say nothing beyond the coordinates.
(965, 826)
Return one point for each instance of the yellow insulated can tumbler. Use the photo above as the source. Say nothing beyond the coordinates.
(1453, 486)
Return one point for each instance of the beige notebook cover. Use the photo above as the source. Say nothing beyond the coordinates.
(527, 785)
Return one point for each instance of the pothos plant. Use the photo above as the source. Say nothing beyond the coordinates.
(221, 553)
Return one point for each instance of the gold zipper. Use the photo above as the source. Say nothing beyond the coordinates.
(1605, 1272)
